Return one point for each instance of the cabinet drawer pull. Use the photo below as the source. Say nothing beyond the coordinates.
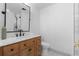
(12, 49)
(24, 44)
(29, 49)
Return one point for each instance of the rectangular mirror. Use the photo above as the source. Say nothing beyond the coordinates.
(17, 17)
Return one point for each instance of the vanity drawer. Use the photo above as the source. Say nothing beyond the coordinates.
(11, 49)
(26, 44)
(24, 52)
(30, 42)
(23, 45)
(31, 51)
(27, 52)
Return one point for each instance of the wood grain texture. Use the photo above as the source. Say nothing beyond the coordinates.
(11, 49)
(0, 51)
(30, 47)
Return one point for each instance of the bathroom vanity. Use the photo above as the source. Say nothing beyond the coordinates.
(17, 21)
(21, 46)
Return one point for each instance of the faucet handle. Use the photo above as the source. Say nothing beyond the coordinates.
(23, 34)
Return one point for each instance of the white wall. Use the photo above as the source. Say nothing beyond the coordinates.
(56, 25)
(35, 19)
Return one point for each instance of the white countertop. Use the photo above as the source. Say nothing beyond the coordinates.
(16, 39)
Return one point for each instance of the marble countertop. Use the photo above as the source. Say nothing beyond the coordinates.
(16, 39)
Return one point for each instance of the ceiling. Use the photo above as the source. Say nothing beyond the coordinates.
(40, 5)
(16, 7)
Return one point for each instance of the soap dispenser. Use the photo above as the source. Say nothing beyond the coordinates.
(3, 36)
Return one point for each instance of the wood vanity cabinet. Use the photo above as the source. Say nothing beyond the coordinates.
(38, 49)
(11, 50)
(31, 47)
(28, 47)
(0, 51)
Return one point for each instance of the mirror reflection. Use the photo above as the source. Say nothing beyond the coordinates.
(17, 17)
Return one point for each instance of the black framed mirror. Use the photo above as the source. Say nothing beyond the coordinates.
(17, 17)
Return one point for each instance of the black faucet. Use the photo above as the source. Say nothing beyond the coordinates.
(21, 34)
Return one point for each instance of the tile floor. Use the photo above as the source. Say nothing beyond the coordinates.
(52, 53)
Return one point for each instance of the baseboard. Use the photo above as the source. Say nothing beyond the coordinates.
(62, 53)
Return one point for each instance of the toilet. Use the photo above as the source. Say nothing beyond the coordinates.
(45, 47)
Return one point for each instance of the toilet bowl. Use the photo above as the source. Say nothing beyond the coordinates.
(45, 47)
